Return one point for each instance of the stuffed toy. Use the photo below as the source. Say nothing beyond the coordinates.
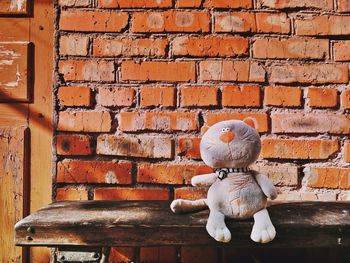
(236, 191)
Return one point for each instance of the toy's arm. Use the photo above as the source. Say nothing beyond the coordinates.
(266, 185)
(204, 179)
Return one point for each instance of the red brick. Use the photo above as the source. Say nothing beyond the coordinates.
(322, 97)
(188, 3)
(73, 144)
(279, 174)
(158, 254)
(189, 147)
(108, 172)
(305, 196)
(199, 254)
(322, 25)
(261, 118)
(63, 194)
(93, 21)
(170, 21)
(346, 152)
(297, 48)
(228, 3)
(299, 122)
(241, 96)
(283, 4)
(158, 71)
(309, 73)
(164, 96)
(272, 23)
(328, 177)
(234, 22)
(245, 71)
(158, 121)
(75, 96)
(169, 173)
(112, 193)
(129, 47)
(122, 254)
(190, 193)
(134, 3)
(74, 45)
(298, 148)
(198, 96)
(89, 70)
(342, 50)
(84, 121)
(145, 146)
(115, 96)
(345, 99)
(210, 46)
(282, 96)
(343, 5)
(74, 3)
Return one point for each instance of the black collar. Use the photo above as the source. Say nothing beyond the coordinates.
(223, 172)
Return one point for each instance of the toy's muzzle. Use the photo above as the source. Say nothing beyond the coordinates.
(227, 137)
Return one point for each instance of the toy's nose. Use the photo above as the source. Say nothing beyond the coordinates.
(227, 136)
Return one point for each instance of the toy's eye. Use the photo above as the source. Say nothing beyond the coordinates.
(225, 129)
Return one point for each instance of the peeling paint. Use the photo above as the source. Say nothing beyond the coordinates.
(17, 5)
(6, 62)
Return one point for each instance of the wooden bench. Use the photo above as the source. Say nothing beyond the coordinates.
(85, 230)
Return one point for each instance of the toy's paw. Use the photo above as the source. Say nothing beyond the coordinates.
(221, 234)
(177, 206)
(263, 233)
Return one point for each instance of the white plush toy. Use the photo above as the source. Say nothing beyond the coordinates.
(235, 190)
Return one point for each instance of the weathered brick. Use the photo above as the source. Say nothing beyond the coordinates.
(190, 193)
(129, 47)
(134, 3)
(115, 96)
(189, 147)
(284, 4)
(241, 96)
(64, 194)
(228, 3)
(341, 50)
(261, 118)
(188, 3)
(112, 193)
(343, 6)
(309, 73)
(74, 96)
(79, 171)
(322, 25)
(89, 70)
(198, 96)
(234, 22)
(346, 152)
(327, 177)
(158, 71)
(282, 96)
(142, 146)
(345, 99)
(305, 196)
(73, 144)
(298, 148)
(158, 121)
(170, 21)
(74, 3)
(93, 21)
(280, 174)
(295, 48)
(206, 254)
(322, 97)
(210, 46)
(245, 71)
(84, 121)
(164, 96)
(273, 23)
(74, 45)
(300, 122)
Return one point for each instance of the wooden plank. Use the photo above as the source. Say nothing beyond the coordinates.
(13, 114)
(14, 29)
(151, 223)
(13, 7)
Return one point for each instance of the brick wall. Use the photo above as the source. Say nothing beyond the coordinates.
(138, 79)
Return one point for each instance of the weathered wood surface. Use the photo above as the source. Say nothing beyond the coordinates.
(13, 7)
(151, 223)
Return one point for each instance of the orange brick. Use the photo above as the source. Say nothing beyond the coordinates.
(228, 3)
(280, 174)
(189, 147)
(188, 3)
(342, 50)
(129, 47)
(343, 5)
(298, 48)
(261, 118)
(158, 71)
(299, 122)
(190, 193)
(88, 70)
(164, 96)
(122, 254)
(234, 22)
(322, 97)
(112, 193)
(74, 3)
(115, 96)
(272, 23)
(63, 194)
(210, 46)
(170, 21)
(158, 121)
(84, 121)
(73, 144)
(241, 96)
(108, 172)
(158, 254)
(198, 96)
(134, 3)
(199, 254)
(145, 146)
(309, 73)
(328, 177)
(245, 71)
(74, 45)
(345, 99)
(75, 96)
(346, 152)
(282, 96)
(298, 148)
(283, 4)
(93, 21)
(169, 173)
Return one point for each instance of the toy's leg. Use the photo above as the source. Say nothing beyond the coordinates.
(183, 206)
(263, 230)
(216, 227)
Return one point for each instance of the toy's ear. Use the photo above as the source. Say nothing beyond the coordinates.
(251, 122)
(204, 129)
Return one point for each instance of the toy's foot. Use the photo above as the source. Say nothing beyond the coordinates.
(263, 230)
(216, 227)
(183, 206)
(177, 205)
